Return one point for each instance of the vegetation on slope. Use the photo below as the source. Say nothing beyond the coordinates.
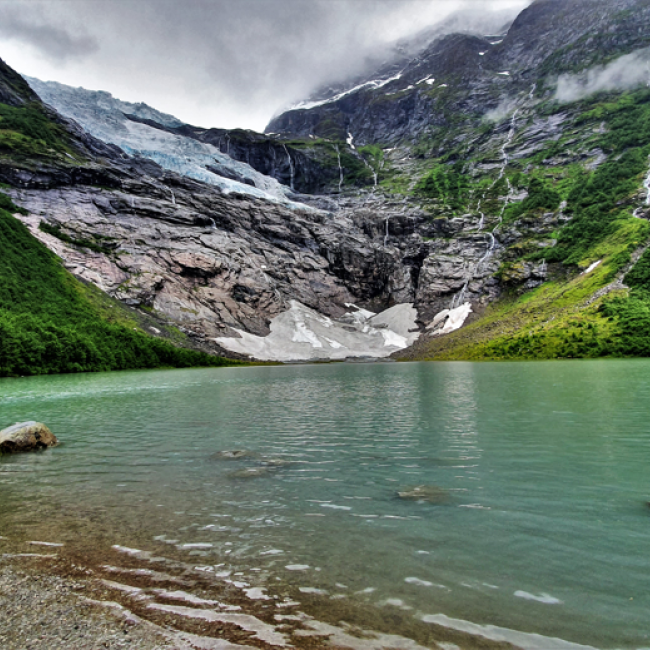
(566, 317)
(27, 131)
(52, 323)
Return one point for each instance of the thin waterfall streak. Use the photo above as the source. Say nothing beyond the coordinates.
(338, 154)
(292, 170)
(492, 241)
(372, 171)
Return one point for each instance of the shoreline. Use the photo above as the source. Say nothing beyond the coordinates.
(59, 598)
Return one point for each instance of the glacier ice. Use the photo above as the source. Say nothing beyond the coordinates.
(105, 117)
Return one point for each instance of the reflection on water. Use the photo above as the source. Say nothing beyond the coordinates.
(543, 526)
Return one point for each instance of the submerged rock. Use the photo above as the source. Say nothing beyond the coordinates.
(232, 455)
(26, 436)
(276, 462)
(250, 472)
(428, 493)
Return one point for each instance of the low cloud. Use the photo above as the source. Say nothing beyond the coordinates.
(626, 72)
(505, 108)
(221, 62)
(52, 41)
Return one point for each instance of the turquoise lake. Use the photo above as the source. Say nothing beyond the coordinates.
(540, 473)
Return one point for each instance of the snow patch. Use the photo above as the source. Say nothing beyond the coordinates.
(372, 85)
(591, 267)
(303, 334)
(450, 320)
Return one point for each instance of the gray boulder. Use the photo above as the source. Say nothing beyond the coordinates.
(26, 436)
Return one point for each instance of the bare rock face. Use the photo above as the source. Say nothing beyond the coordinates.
(26, 436)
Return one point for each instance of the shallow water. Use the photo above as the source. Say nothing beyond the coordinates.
(539, 520)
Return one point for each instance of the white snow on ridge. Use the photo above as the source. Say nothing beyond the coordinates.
(103, 116)
(302, 334)
(374, 85)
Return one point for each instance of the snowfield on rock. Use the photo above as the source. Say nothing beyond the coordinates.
(302, 334)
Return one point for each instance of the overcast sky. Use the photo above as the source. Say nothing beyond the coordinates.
(225, 63)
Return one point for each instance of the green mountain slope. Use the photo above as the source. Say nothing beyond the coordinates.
(597, 300)
(50, 322)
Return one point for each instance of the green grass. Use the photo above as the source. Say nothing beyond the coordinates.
(561, 319)
(52, 323)
(29, 132)
(448, 184)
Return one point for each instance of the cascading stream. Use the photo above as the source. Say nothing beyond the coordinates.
(372, 170)
(646, 185)
(338, 154)
(292, 170)
(459, 298)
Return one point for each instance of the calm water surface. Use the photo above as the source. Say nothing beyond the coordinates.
(545, 527)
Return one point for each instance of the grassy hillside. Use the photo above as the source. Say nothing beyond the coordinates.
(603, 313)
(52, 323)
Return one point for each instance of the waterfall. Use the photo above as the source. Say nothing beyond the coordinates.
(372, 170)
(457, 300)
(338, 153)
(272, 149)
(481, 222)
(173, 196)
(646, 186)
(531, 94)
(227, 144)
(386, 235)
(291, 168)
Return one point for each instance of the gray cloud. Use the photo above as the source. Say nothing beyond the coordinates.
(220, 62)
(52, 41)
(623, 73)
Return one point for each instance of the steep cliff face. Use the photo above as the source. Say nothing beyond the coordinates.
(208, 261)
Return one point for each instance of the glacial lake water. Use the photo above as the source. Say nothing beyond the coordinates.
(539, 524)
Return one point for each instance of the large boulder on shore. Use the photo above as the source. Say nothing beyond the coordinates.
(26, 436)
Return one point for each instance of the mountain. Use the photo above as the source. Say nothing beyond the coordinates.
(49, 320)
(197, 256)
(468, 75)
(491, 201)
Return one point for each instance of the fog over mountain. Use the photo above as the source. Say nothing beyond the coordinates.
(222, 62)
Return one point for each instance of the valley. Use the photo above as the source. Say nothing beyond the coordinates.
(513, 222)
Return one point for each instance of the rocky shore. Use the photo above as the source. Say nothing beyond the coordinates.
(60, 599)
(48, 611)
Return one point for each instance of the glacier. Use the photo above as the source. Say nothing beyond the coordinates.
(105, 117)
